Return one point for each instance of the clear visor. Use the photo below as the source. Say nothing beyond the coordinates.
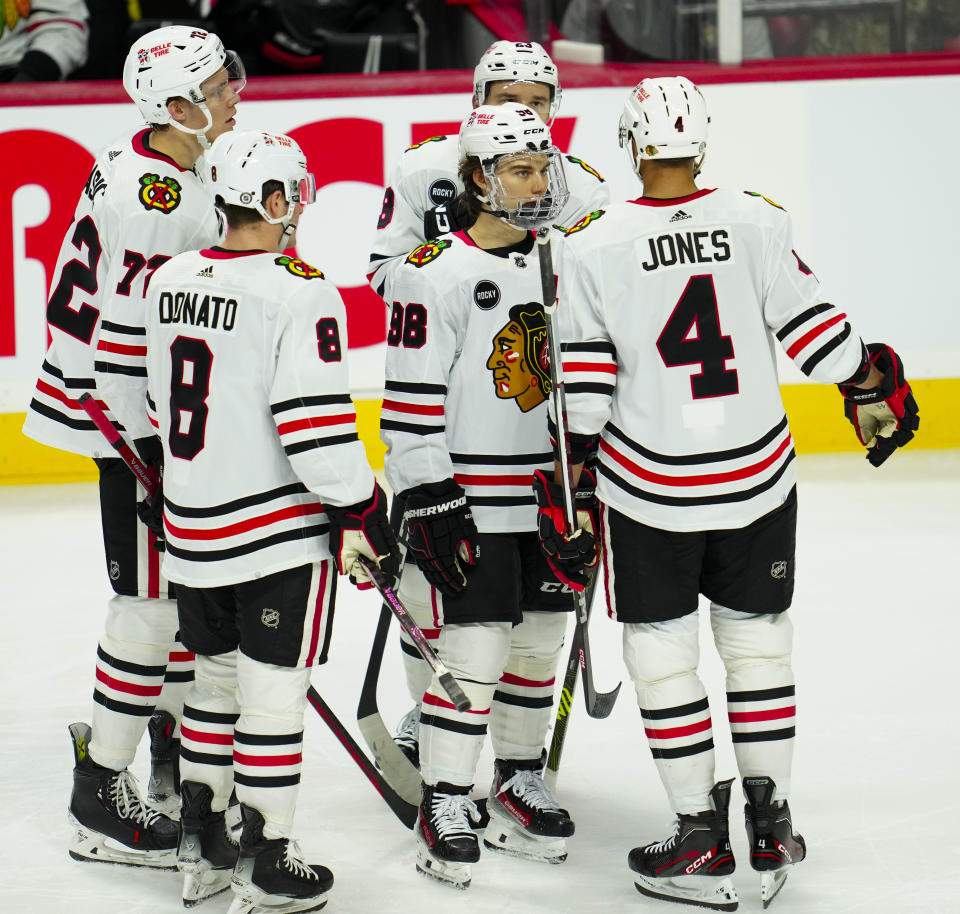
(302, 190)
(533, 211)
(236, 78)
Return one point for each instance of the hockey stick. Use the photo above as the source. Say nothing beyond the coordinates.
(599, 704)
(402, 775)
(405, 811)
(390, 599)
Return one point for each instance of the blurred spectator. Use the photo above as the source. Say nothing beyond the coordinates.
(42, 44)
(632, 30)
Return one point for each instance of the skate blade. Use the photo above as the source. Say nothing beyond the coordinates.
(700, 891)
(199, 886)
(248, 899)
(90, 847)
(505, 836)
(770, 885)
(455, 875)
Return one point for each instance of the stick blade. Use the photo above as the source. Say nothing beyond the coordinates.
(600, 704)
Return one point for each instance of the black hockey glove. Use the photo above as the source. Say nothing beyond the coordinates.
(150, 509)
(886, 416)
(569, 555)
(441, 534)
(364, 530)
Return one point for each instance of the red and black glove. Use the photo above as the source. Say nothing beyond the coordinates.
(569, 555)
(886, 416)
(150, 509)
(441, 534)
(364, 530)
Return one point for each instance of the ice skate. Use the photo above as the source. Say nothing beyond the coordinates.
(694, 864)
(112, 823)
(774, 846)
(446, 843)
(207, 853)
(525, 819)
(163, 788)
(270, 876)
(407, 736)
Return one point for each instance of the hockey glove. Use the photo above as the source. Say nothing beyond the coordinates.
(441, 534)
(363, 530)
(150, 509)
(886, 416)
(569, 555)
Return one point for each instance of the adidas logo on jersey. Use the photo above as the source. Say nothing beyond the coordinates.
(206, 271)
(113, 153)
(679, 216)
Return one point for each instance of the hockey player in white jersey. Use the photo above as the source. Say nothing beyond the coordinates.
(142, 204)
(670, 307)
(426, 176)
(267, 492)
(420, 203)
(464, 419)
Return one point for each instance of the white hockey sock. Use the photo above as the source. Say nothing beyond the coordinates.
(131, 663)
(176, 682)
(209, 715)
(523, 701)
(761, 700)
(268, 740)
(451, 740)
(662, 658)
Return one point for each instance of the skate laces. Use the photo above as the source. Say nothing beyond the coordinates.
(126, 800)
(667, 843)
(294, 863)
(449, 813)
(528, 785)
(408, 730)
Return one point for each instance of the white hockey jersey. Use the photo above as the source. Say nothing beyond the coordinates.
(426, 176)
(248, 390)
(668, 313)
(467, 377)
(137, 210)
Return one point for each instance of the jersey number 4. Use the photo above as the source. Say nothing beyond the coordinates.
(692, 336)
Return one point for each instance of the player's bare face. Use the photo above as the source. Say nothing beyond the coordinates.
(533, 95)
(511, 374)
(523, 178)
(222, 101)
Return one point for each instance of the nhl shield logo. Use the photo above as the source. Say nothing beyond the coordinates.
(158, 193)
(114, 570)
(778, 571)
(270, 618)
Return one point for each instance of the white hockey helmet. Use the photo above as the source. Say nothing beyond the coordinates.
(174, 61)
(239, 163)
(667, 118)
(516, 61)
(495, 132)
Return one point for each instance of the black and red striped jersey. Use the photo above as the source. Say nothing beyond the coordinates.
(669, 314)
(467, 377)
(248, 391)
(137, 210)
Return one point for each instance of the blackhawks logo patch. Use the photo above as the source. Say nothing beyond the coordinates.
(158, 193)
(573, 160)
(427, 252)
(432, 139)
(298, 267)
(753, 193)
(584, 222)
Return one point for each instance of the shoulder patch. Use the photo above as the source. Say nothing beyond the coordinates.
(753, 193)
(426, 253)
(158, 193)
(584, 222)
(573, 160)
(298, 267)
(432, 139)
